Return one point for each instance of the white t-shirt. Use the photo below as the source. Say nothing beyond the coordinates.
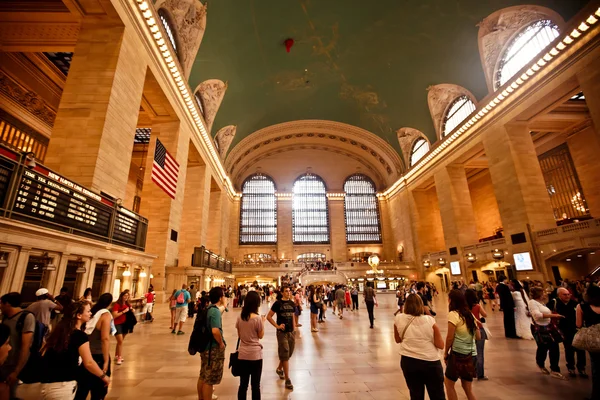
(418, 338)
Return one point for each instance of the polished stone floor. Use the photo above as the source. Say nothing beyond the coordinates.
(345, 360)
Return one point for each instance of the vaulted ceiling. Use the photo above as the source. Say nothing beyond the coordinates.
(367, 64)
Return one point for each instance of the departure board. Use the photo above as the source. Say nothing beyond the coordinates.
(44, 198)
(127, 227)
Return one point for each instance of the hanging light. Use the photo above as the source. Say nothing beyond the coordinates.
(127, 272)
(143, 274)
(471, 257)
(426, 263)
(151, 276)
(497, 254)
(441, 262)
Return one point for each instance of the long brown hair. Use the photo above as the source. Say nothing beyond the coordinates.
(60, 336)
(120, 301)
(459, 304)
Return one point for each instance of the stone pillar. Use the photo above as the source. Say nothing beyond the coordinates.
(110, 275)
(57, 278)
(92, 138)
(399, 217)
(589, 82)
(195, 209)
(584, 147)
(285, 248)
(163, 213)
(19, 270)
(337, 230)
(518, 181)
(213, 237)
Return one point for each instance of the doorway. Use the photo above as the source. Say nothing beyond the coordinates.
(556, 273)
(34, 275)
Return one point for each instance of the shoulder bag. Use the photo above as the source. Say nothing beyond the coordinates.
(588, 338)
(544, 334)
(463, 364)
(405, 328)
(234, 361)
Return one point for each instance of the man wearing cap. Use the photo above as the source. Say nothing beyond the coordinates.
(43, 306)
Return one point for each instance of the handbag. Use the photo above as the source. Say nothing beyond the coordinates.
(234, 361)
(405, 328)
(545, 334)
(588, 339)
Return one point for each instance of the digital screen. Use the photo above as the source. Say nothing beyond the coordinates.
(381, 285)
(455, 267)
(523, 261)
(127, 227)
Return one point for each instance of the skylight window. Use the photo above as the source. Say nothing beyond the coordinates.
(419, 149)
(459, 110)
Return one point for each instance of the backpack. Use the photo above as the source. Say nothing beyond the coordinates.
(181, 297)
(31, 371)
(202, 335)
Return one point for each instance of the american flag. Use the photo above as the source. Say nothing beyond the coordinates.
(165, 170)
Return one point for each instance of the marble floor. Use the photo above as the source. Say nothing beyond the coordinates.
(345, 360)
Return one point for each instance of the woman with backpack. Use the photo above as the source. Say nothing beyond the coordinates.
(61, 353)
(250, 328)
(120, 308)
(173, 308)
(98, 330)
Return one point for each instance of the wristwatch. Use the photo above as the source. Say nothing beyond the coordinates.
(103, 375)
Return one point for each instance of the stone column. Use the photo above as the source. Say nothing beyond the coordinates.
(164, 214)
(584, 147)
(92, 138)
(285, 248)
(57, 278)
(213, 237)
(195, 209)
(19, 270)
(589, 82)
(337, 229)
(110, 275)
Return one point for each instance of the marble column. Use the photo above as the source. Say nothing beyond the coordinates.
(584, 147)
(337, 230)
(194, 226)
(589, 82)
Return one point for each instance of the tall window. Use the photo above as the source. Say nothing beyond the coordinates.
(528, 44)
(562, 184)
(458, 111)
(169, 29)
(419, 149)
(200, 103)
(362, 211)
(310, 219)
(258, 216)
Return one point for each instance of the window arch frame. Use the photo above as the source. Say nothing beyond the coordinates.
(502, 60)
(273, 210)
(447, 115)
(166, 21)
(372, 196)
(326, 209)
(199, 102)
(414, 148)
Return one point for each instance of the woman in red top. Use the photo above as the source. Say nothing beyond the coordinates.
(118, 312)
(478, 313)
(348, 299)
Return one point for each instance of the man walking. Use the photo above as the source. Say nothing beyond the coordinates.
(507, 304)
(354, 294)
(182, 298)
(421, 291)
(565, 306)
(286, 327)
(370, 299)
(340, 300)
(44, 305)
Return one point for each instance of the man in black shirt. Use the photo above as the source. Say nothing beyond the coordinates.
(422, 295)
(564, 305)
(286, 326)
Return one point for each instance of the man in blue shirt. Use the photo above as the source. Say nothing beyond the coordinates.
(182, 298)
(213, 357)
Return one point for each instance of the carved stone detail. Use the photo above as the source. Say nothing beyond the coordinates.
(406, 138)
(498, 29)
(223, 139)
(439, 98)
(29, 100)
(189, 18)
(211, 92)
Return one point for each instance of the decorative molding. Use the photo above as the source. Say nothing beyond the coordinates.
(223, 139)
(211, 93)
(189, 18)
(579, 127)
(439, 98)
(498, 29)
(29, 100)
(406, 139)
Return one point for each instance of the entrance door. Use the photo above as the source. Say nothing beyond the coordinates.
(475, 277)
(98, 280)
(71, 277)
(33, 278)
(556, 273)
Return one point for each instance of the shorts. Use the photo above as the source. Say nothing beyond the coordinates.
(181, 314)
(454, 374)
(286, 342)
(341, 304)
(148, 307)
(120, 329)
(211, 374)
(314, 309)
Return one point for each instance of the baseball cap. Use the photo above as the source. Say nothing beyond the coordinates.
(41, 292)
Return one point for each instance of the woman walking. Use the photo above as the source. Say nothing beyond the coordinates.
(478, 313)
(522, 320)
(420, 338)
(98, 330)
(588, 314)
(250, 330)
(173, 308)
(118, 312)
(315, 305)
(61, 353)
(491, 291)
(460, 350)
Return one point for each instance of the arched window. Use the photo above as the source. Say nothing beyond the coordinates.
(169, 29)
(258, 216)
(419, 149)
(458, 111)
(362, 210)
(200, 103)
(524, 47)
(310, 217)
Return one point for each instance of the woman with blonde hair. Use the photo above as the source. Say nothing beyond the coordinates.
(420, 341)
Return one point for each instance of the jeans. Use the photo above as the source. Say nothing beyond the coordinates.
(354, 302)
(90, 383)
(59, 390)
(570, 352)
(421, 374)
(370, 305)
(542, 352)
(480, 348)
(251, 372)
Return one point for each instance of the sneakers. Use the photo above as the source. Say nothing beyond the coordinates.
(119, 360)
(341, 317)
(558, 375)
(280, 373)
(288, 384)
(173, 331)
(181, 333)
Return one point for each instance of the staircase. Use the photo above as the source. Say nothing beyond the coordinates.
(310, 277)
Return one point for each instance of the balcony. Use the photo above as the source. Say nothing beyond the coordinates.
(578, 235)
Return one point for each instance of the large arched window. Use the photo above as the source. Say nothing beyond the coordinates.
(258, 215)
(524, 47)
(310, 217)
(458, 111)
(362, 210)
(165, 20)
(419, 148)
(200, 103)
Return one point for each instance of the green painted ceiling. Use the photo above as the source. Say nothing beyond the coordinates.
(365, 63)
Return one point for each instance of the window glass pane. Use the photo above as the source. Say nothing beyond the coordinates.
(524, 48)
(420, 148)
(258, 216)
(460, 109)
(362, 211)
(310, 219)
(164, 19)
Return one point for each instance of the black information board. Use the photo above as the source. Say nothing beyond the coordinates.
(127, 226)
(6, 171)
(43, 198)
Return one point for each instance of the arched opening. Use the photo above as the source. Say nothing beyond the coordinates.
(420, 147)
(310, 215)
(258, 215)
(458, 111)
(361, 210)
(167, 24)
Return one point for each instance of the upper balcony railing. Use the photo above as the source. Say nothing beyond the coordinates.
(207, 259)
(568, 229)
